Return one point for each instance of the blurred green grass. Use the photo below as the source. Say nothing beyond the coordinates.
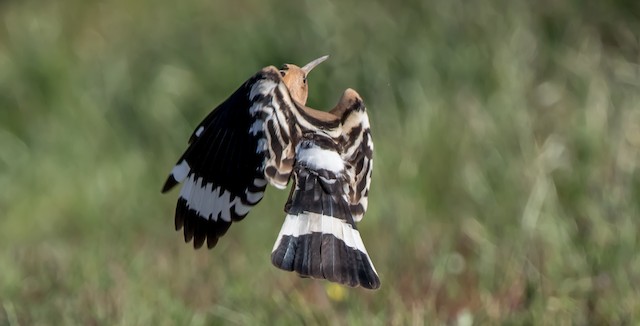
(506, 186)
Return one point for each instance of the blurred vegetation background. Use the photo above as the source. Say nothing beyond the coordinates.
(506, 186)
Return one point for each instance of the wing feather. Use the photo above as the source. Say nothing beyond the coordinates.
(243, 143)
(277, 111)
(357, 150)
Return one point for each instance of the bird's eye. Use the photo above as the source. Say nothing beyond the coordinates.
(304, 80)
(282, 73)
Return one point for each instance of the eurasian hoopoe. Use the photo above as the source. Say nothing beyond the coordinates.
(263, 133)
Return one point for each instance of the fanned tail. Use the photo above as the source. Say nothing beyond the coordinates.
(319, 238)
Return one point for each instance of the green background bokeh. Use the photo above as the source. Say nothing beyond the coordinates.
(506, 184)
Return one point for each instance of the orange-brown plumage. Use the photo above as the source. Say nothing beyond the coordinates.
(295, 78)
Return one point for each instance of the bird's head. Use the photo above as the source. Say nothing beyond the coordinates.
(295, 78)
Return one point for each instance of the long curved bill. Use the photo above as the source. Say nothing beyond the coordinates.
(309, 66)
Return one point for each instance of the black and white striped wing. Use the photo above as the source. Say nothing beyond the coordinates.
(319, 238)
(357, 152)
(233, 153)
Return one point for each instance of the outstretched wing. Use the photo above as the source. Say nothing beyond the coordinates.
(319, 237)
(240, 146)
(357, 150)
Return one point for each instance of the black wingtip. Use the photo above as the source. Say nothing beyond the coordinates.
(198, 229)
(170, 183)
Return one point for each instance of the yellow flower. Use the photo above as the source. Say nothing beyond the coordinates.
(336, 292)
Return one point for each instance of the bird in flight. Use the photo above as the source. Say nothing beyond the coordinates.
(264, 134)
